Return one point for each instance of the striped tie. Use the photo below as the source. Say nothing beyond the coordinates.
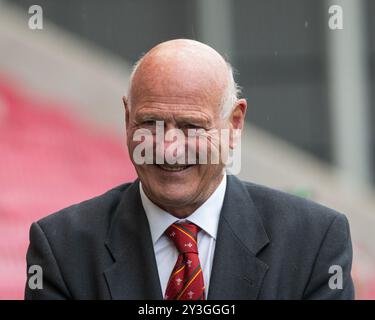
(186, 281)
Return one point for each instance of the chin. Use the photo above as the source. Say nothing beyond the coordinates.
(173, 197)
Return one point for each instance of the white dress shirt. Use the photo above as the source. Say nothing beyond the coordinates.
(206, 217)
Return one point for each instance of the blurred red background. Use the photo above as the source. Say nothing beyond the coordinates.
(48, 160)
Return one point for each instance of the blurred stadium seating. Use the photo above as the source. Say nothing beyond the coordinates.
(48, 161)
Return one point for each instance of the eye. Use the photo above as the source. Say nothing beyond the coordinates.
(149, 122)
(191, 126)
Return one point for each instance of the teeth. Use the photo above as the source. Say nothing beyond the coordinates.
(171, 167)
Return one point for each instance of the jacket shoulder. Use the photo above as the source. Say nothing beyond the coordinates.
(86, 214)
(290, 210)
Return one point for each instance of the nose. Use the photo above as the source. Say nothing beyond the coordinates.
(171, 146)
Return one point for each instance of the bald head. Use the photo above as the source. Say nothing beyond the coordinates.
(183, 67)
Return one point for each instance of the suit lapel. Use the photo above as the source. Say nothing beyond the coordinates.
(237, 273)
(134, 274)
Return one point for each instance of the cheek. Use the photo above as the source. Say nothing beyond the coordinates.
(131, 147)
(144, 140)
(129, 138)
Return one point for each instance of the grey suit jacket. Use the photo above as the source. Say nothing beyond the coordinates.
(270, 245)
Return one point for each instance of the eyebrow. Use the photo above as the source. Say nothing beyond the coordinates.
(180, 119)
(147, 116)
(194, 121)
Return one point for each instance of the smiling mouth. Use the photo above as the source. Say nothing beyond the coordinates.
(173, 167)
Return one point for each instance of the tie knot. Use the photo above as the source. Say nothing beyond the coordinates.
(184, 236)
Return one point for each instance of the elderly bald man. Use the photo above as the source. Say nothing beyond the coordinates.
(186, 229)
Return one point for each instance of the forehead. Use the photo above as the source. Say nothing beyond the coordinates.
(176, 85)
(176, 102)
(179, 109)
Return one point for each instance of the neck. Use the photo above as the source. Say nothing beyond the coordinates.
(185, 210)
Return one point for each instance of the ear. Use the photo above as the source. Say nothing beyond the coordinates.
(126, 107)
(237, 120)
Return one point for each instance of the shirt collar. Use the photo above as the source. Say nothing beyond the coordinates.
(206, 216)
